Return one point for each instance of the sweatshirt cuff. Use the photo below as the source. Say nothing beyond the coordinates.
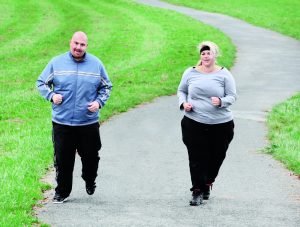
(50, 97)
(181, 106)
(220, 102)
(101, 104)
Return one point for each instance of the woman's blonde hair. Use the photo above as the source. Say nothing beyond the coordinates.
(212, 47)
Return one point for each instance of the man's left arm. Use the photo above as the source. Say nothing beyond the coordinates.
(104, 88)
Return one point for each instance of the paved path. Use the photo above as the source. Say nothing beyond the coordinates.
(144, 176)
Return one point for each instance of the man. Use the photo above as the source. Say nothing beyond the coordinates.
(78, 86)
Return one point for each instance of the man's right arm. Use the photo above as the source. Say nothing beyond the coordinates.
(45, 81)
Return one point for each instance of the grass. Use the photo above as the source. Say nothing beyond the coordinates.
(284, 124)
(145, 51)
(282, 16)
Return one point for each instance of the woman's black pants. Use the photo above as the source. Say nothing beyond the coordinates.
(207, 145)
(67, 140)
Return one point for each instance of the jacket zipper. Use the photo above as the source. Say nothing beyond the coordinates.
(76, 87)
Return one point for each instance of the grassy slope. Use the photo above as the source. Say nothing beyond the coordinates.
(282, 16)
(145, 51)
(284, 124)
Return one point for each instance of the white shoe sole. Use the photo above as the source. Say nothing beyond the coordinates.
(60, 202)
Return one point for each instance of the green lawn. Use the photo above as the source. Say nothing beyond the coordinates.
(282, 16)
(284, 133)
(145, 51)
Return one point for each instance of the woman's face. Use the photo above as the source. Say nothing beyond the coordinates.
(207, 58)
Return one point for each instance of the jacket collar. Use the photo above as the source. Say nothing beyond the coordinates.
(84, 57)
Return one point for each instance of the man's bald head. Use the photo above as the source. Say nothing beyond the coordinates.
(78, 45)
(81, 35)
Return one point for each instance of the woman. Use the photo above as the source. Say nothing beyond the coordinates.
(205, 93)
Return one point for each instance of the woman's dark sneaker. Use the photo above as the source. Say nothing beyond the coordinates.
(90, 188)
(206, 191)
(197, 198)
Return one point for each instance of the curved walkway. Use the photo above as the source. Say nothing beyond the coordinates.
(144, 176)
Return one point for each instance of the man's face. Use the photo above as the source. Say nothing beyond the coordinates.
(78, 45)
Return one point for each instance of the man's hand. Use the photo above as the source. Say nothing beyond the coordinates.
(57, 99)
(94, 106)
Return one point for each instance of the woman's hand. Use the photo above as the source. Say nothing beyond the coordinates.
(216, 101)
(187, 106)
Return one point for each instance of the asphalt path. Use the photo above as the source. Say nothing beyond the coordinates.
(144, 177)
